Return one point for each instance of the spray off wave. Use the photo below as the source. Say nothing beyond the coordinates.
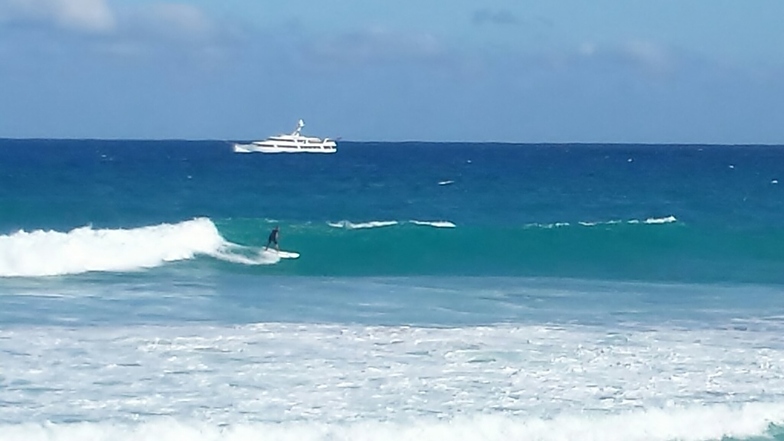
(52, 253)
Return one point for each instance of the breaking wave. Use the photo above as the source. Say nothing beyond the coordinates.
(750, 421)
(52, 253)
(655, 248)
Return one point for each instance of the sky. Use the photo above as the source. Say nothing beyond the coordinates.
(546, 71)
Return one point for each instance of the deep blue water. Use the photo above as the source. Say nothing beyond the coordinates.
(641, 212)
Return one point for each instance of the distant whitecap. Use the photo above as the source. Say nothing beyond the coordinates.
(437, 224)
(352, 226)
(661, 220)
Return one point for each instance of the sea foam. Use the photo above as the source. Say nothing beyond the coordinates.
(649, 221)
(361, 225)
(688, 424)
(378, 224)
(437, 224)
(661, 378)
(51, 253)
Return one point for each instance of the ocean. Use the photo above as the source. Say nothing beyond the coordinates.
(444, 291)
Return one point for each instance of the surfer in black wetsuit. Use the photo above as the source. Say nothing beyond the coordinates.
(273, 238)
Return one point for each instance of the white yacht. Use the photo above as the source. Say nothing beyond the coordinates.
(293, 143)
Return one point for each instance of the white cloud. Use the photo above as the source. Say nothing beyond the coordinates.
(161, 21)
(377, 45)
(652, 56)
(648, 56)
(121, 29)
(85, 16)
(174, 21)
(587, 49)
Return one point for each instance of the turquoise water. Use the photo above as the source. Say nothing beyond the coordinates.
(463, 291)
(686, 213)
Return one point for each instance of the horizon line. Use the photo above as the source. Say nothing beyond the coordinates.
(576, 143)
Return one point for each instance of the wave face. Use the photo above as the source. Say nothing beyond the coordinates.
(687, 213)
(658, 248)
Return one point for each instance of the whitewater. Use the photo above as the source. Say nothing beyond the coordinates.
(479, 292)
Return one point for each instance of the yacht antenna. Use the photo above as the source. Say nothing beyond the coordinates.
(300, 125)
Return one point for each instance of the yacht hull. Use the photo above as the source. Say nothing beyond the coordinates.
(254, 148)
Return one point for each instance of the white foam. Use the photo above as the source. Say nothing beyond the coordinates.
(547, 226)
(352, 226)
(446, 182)
(380, 224)
(661, 220)
(589, 379)
(649, 221)
(50, 253)
(245, 255)
(687, 424)
(437, 224)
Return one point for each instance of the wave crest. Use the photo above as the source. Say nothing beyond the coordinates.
(437, 224)
(352, 226)
(52, 253)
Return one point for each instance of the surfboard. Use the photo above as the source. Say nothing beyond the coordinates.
(282, 254)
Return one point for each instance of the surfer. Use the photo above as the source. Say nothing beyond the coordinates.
(273, 238)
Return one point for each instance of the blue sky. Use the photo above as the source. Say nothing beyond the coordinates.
(669, 71)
